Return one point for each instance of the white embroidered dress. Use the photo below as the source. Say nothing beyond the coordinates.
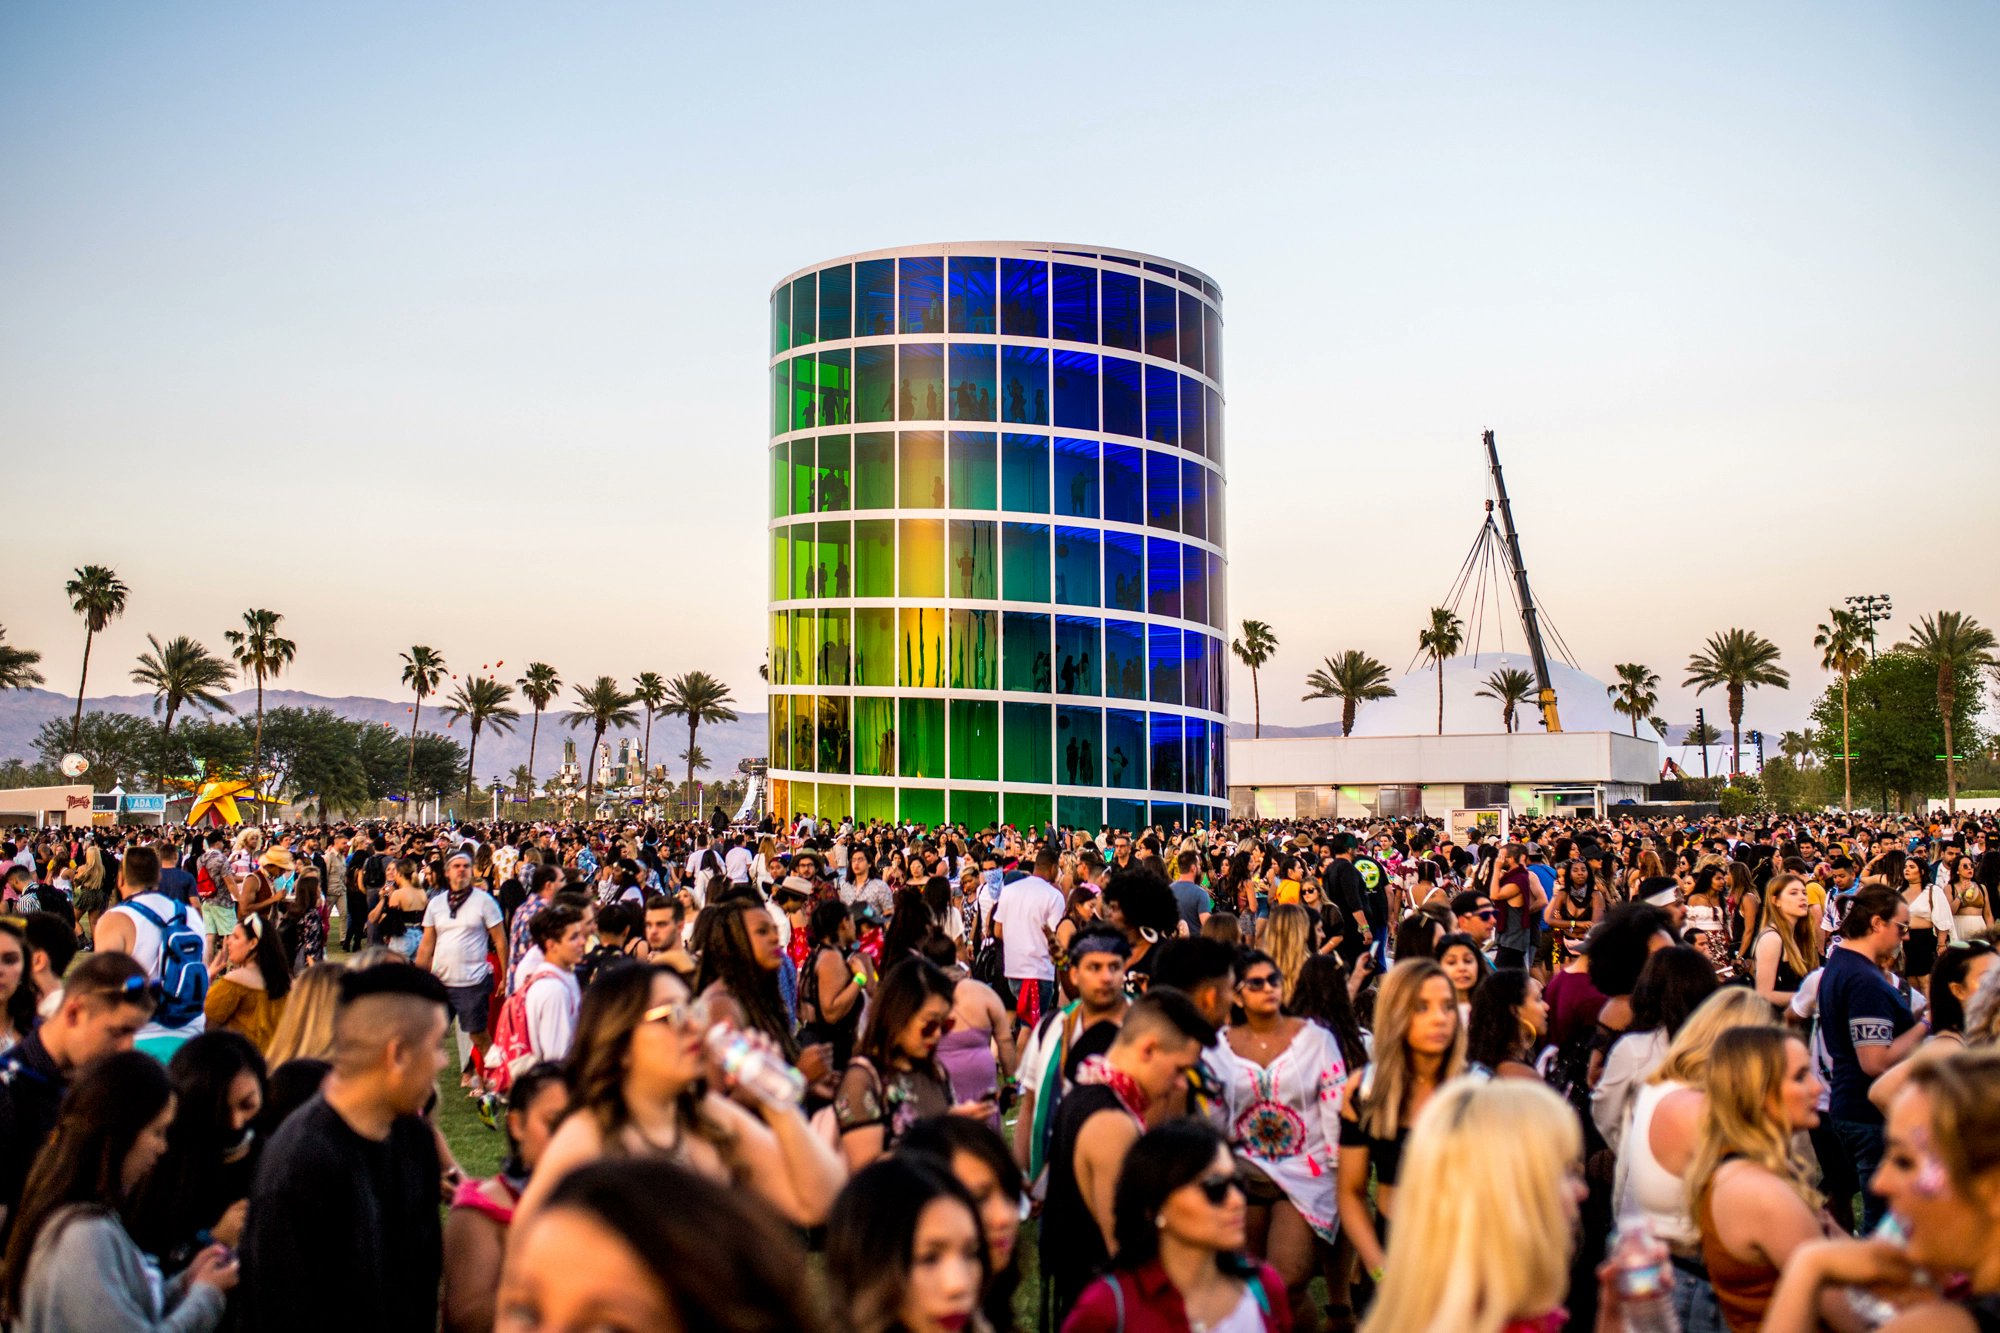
(1285, 1120)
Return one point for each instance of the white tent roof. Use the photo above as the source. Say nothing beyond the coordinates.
(1580, 699)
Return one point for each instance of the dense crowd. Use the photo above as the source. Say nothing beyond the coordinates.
(1603, 1072)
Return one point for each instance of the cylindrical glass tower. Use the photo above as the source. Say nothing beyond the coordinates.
(998, 574)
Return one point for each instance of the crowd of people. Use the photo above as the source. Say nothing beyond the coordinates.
(1692, 1073)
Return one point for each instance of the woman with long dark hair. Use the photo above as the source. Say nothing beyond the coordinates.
(981, 1161)
(249, 996)
(71, 1262)
(475, 1230)
(1325, 995)
(909, 921)
(894, 1080)
(1509, 1022)
(201, 1187)
(905, 1252)
(740, 957)
(833, 983)
(17, 991)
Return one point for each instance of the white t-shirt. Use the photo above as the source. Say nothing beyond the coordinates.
(553, 998)
(1027, 908)
(737, 865)
(147, 946)
(460, 956)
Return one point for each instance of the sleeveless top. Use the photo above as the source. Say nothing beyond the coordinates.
(1646, 1189)
(1743, 1287)
(1788, 978)
(1385, 1155)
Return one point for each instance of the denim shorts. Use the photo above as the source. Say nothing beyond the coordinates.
(469, 1004)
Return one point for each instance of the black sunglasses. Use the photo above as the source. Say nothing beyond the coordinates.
(1261, 982)
(1216, 1189)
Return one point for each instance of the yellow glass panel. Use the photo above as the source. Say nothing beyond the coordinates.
(920, 645)
(920, 560)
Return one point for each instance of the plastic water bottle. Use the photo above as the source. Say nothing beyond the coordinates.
(1641, 1268)
(748, 1065)
(1872, 1310)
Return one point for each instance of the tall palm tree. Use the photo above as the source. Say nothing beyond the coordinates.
(1843, 643)
(1797, 746)
(98, 595)
(603, 705)
(1354, 678)
(1636, 694)
(649, 691)
(17, 665)
(698, 697)
(539, 686)
(183, 672)
(1736, 660)
(1253, 650)
(481, 700)
(1512, 687)
(1952, 642)
(1440, 641)
(423, 669)
(260, 652)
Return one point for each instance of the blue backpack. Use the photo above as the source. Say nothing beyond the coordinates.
(183, 966)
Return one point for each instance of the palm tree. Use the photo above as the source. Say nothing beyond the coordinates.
(1952, 642)
(481, 700)
(261, 653)
(17, 666)
(1253, 650)
(698, 697)
(1512, 687)
(1736, 660)
(1843, 643)
(98, 595)
(1658, 724)
(1440, 641)
(1354, 678)
(1797, 746)
(649, 690)
(182, 672)
(423, 668)
(1636, 694)
(539, 686)
(603, 705)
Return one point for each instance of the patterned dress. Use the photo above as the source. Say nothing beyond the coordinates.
(1285, 1119)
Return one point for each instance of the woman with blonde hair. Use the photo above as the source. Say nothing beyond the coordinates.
(305, 1032)
(1474, 1249)
(1748, 1192)
(1783, 948)
(1287, 937)
(87, 892)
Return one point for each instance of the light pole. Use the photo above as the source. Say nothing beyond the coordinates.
(1873, 608)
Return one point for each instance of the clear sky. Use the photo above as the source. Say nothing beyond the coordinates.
(447, 324)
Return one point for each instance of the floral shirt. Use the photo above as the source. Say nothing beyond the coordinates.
(905, 1097)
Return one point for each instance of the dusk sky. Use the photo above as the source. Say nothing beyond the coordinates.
(448, 324)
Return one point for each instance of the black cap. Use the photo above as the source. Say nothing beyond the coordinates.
(392, 979)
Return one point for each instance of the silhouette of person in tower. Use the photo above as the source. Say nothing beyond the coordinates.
(1089, 765)
(931, 401)
(1069, 759)
(1017, 398)
(909, 403)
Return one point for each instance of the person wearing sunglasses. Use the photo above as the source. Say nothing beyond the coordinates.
(894, 1079)
(1180, 1224)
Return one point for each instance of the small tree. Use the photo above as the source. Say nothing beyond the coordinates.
(1254, 649)
(1353, 678)
(1512, 687)
(1440, 641)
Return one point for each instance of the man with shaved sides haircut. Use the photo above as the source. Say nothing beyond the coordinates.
(350, 1182)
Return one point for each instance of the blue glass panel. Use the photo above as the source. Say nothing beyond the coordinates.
(1076, 390)
(1168, 815)
(1218, 591)
(1024, 473)
(972, 381)
(1163, 491)
(920, 294)
(1024, 652)
(1211, 342)
(1159, 319)
(971, 295)
(1122, 814)
(836, 303)
(1194, 517)
(1080, 812)
(1191, 331)
(920, 394)
(1123, 413)
(1124, 484)
(1079, 744)
(1163, 577)
(1218, 760)
(1163, 664)
(1212, 484)
(1194, 584)
(1024, 298)
(1124, 748)
(1124, 571)
(1125, 660)
(874, 298)
(1212, 424)
(1194, 438)
(1076, 477)
(1076, 567)
(1076, 303)
(1167, 269)
(1194, 675)
(1163, 405)
(1024, 384)
(875, 382)
(1079, 655)
(1121, 310)
(1166, 751)
(1025, 562)
(805, 307)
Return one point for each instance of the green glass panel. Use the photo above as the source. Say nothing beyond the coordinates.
(975, 739)
(922, 481)
(1025, 654)
(781, 480)
(781, 733)
(920, 557)
(802, 476)
(921, 630)
(781, 565)
(833, 734)
(1079, 743)
(922, 806)
(802, 798)
(874, 804)
(875, 646)
(836, 478)
(875, 557)
(781, 319)
(1026, 810)
(805, 393)
(835, 800)
(805, 306)
(975, 650)
(833, 568)
(1026, 554)
(920, 738)
(875, 736)
(781, 648)
(1024, 473)
(975, 566)
(1080, 812)
(976, 810)
(781, 399)
(875, 471)
(974, 471)
(802, 560)
(805, 647)
(802, 733)
(835, 379)
(1028, 742)
(835, 646)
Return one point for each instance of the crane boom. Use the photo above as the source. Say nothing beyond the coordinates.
(1529, 621)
